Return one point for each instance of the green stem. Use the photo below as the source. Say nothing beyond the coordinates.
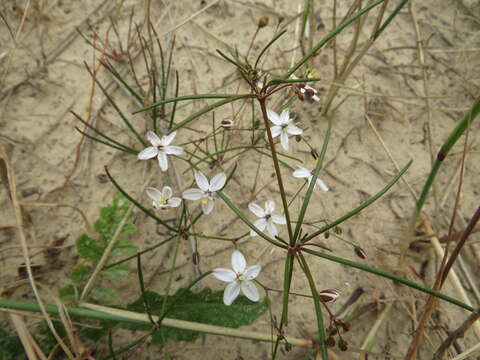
(318, 308)
(277, 170)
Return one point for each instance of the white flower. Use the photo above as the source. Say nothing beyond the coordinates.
(267, 218)
(206, 192)
(163, 199)
(160, 148)
(302, 172)
(310, 92)
(240, 278)
(283, 126)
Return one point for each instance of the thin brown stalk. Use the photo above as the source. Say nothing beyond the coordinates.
(9, 178)
(457, 333)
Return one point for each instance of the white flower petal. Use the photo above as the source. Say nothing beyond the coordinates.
(301, 172)
(252, 272)
(201, 181)
(226, 275)
(217, 182)
(250, 290)
(173, 150)
(276, 130)
(253, 233)
(153, 193)
(147, 153)
(272, 229)
(322, 185)
(260, 224)
(273, 117)
(153, 138)
(192, 194)
(208, 207)
(162, 160)
(231, 292)
(285, 116)
(256, 209)
(174, 202)
(269, 206)
(166, 140)
(277, 219)
(284, 140)
(315, 98)
(167, 192)
(294, 130)
(238, 262)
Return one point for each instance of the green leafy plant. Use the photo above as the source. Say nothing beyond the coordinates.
(91, 250)
(204, 307)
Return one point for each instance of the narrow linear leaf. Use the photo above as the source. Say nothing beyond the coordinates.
(456, 133)
(208, 109)
(137, 204)
(312, 184)
(185, 98)
(331, 35)
(246, 221)
(362, 206)
(387, 275)
(270, 43)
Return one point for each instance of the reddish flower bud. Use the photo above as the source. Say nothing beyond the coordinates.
(360, 252)
(227, 124)
(329, 295)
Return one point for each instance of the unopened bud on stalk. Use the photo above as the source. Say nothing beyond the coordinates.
(227, 124)
(342, 344)
(338, 230)
(360, 252)
(314, 154)
(196, 258)
(298, 138)
(262, 22)
(330, 342)
(329, 295)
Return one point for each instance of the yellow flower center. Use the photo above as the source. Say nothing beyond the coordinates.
(163, 201)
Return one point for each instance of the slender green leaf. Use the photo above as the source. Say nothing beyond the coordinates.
(312, 184)
(331, 35)
(456, 133)
(362, 206)
(387, 275)
(185, 98)
(246, 221)
(207, 109)
(270, 43)
(137, 204)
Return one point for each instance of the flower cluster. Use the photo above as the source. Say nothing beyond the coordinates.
(240, 277)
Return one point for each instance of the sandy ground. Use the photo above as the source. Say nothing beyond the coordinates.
(43, 78)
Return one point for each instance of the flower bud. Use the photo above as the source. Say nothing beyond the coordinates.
(314, 154)
(338, 230)
(263, 21)
(360, 252)
(227, 124)
(196, 258)
(342, 344)
(329, 295)
(330, 342)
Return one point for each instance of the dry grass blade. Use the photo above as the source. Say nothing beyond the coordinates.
(12, 191)
(457, 333)
(26, 338)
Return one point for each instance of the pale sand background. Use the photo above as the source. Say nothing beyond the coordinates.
(52, 165)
